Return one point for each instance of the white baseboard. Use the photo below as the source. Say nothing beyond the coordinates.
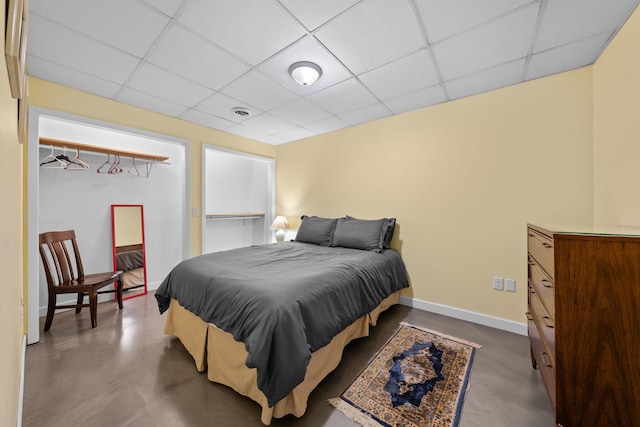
(21, 391)
(470, 316)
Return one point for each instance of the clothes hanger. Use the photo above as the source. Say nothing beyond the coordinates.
(51, 159)
(115, 167)
(134, 167)
(77, 163)
(63, 156)
(107, 163)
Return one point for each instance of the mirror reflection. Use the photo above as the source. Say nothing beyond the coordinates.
(127, 223)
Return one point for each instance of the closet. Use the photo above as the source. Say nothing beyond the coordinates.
(149, 170)
(238, 199)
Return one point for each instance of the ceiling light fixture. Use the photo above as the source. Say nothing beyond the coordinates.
(305, 73)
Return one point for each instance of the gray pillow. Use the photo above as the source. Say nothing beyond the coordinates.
(389, 226)
(316, 230)
(366, 234)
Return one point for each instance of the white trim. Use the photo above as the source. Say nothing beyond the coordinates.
(21, 392)
(33, 219)
(470, 316)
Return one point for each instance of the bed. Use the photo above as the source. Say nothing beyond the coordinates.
(271, 321)
(130, 260)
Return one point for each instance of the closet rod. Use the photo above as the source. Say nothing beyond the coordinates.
(104, 150)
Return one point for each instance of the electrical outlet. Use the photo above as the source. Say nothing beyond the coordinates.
(510, 285)
(498, 283)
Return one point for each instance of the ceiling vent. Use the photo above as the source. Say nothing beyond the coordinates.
(241, 111)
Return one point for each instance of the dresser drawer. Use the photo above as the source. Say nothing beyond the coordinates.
(546, 364)
(543, 286)
(541, 248)
(544, 322)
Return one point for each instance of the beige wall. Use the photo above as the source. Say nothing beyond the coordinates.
(61, 98)
(462, 179)
(616, 145)
(11, 251)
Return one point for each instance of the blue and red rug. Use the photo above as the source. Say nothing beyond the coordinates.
(418, 378)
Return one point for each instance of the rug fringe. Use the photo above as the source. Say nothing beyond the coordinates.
(450, 337)
(352, 413)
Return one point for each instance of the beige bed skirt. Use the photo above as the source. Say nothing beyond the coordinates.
(223, 357)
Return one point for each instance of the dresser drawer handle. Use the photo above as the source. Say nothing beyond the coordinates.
(545, 359)
(547, 322)
(529, 316)
(546, 245)
(546, 283)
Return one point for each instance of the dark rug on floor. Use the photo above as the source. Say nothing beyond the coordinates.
(418, 378)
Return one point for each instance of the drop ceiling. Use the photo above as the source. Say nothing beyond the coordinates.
(196, 60)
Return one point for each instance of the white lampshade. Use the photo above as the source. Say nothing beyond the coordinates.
(305, 73)
(280, 224)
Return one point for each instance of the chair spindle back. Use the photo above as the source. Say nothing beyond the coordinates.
(58, 245)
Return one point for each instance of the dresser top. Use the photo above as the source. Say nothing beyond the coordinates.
(590, 230)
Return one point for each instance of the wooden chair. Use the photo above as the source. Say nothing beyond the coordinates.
(67, 278)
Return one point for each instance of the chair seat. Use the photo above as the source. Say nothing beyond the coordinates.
(96, 281)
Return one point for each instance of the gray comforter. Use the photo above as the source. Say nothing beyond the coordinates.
(283, 301)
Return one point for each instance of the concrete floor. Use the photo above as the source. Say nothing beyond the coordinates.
(126, 372)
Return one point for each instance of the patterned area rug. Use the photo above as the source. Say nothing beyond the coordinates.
(419, 378)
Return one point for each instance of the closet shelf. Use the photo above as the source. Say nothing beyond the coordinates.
(235, 216)
(104, 150)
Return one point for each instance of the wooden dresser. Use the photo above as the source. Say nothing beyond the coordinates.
(584, 321)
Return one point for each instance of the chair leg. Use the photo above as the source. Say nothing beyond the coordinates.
(118, 284)
(51, 309)
(80, 298)
(93, 307)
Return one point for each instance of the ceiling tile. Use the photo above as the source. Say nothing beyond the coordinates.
(163, 84)
(486, 80)
(346, 96)
(241, 130)
(401, 77)
(423, 98)
(150, 102)
(116, 21)
(372, 33)
(195, 58)
(366, 114)
(566, 57)
(220, 105)
(442, 19)
(252, 29)
(204, 119)
(306, 49)
(300, 112)
(268, 124)
(561, 24)
(295, 134)
(329, 124)
(63, 46)
(313, 13)
(488, 45)
(168, 7)
(72, 78)
(262, 92)
(273, 140)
